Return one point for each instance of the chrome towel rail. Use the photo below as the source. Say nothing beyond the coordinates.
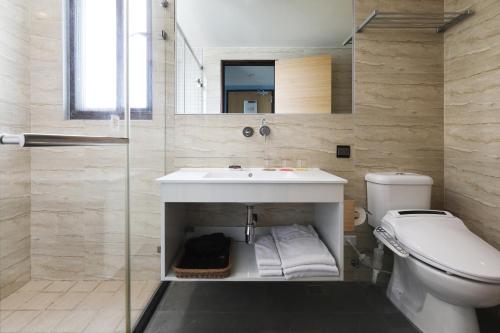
(395, 20)
(59, 140)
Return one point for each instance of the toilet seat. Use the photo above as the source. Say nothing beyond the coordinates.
(444, 242)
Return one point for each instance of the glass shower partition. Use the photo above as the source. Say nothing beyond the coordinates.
(68, 162)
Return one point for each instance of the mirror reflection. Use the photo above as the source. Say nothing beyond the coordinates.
(253, 57)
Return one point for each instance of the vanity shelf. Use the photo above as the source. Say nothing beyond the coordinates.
(397, 20)
(244, 265)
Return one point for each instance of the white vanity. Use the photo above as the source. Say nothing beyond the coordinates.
(250, 186)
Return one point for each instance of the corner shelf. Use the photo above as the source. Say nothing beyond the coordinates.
(397, 20)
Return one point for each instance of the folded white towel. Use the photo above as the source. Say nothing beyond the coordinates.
(268, 267)
(310, 271)
(266, 253)
(299, 246)
(270, 272)
(326, 269)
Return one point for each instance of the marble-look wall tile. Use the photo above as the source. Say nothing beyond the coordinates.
(398, 119)
(14, 162)
(78, 193)
(398, 116)
(472, 118)
(217, 141)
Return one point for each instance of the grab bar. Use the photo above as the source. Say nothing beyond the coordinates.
(59, 140)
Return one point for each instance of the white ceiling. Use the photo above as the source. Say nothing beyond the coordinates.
(265, 23)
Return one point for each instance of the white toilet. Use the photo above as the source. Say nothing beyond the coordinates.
(442, 271)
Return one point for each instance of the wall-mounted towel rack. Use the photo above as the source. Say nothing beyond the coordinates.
(395, 20)
(59, 140)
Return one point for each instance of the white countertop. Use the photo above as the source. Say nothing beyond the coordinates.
(250, 176)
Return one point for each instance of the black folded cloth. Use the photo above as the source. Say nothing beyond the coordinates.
(206, 252)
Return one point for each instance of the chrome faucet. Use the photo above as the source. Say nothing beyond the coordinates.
(264, 129)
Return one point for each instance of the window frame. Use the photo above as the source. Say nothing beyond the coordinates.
(225, 63)
(72, 113)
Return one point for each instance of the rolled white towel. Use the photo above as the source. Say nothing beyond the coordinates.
(266, 254)
(300, 245)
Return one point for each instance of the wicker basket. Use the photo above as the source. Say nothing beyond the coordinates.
(189, 273)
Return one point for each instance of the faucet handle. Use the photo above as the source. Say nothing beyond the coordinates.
(264, 129)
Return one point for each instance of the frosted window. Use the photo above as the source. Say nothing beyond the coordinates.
(96, 64)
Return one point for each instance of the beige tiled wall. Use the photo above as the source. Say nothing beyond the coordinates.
(398, 121)
(398, 118)
(78, 193)
(472, 118)
(14, 162)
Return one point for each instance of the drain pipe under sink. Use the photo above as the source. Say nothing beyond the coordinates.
(250, 226)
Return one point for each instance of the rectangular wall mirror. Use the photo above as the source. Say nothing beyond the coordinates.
(280, 56)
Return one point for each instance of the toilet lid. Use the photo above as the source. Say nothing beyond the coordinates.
(445, 243)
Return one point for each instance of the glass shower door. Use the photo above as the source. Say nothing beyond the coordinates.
(64, 153)
(63, 236)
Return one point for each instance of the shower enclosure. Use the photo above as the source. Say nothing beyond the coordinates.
(81, 141)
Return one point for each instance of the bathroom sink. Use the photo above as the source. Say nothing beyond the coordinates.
(250, 175)
(251, 185)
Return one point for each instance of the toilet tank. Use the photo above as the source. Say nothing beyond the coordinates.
(396, 190)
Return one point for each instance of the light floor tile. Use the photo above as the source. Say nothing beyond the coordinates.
(151, 286)
(68, 301)
(109, 286)
(4, 314)
(116, 302)
(90, 306)
(134, 317)
(60, 286)
(17, 321)
(75, 322)
(16, 300)
(145, 295)
(136, 289)
(35, 285)
(105, 322)
(41, 301)
(84, 286)
(95, 301)
(46, 322)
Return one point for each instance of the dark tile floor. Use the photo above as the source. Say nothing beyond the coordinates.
(260, 307)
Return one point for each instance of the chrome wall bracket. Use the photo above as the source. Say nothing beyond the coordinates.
(164, 3)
